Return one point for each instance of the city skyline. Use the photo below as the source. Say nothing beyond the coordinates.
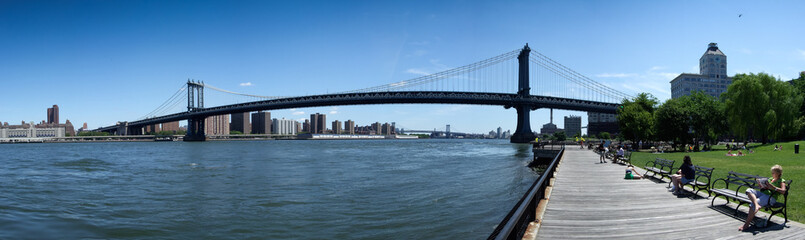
(82, 56)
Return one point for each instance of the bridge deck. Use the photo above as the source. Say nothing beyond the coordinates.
(593, 201)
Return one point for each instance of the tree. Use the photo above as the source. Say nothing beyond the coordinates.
(234, 132)
(707, 118)
(761, 106)
(559, 136)
(672, 121)
(636, 117)
(604, 135)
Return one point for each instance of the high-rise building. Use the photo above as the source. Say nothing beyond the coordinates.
(306, 126)
(500, 132)
(261, 122)
(349, 127)
(171, 126)
(153, 128)
(216, 125)
(298, 127)
(53, 114)
(601, 122)
(376, 128)
(386, 129)
(572, 126)
(712, 78)
(337, 127)
(240, 123)
(284, 126)
(318, 123)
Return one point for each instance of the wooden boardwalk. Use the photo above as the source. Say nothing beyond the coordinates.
(591, 200)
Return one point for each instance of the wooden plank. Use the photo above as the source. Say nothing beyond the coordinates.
(591, 200)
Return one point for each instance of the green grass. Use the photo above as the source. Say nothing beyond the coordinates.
(757, 163)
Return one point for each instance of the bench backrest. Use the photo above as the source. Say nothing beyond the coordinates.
(704, 172)
(787, 188)
(663, 162)
(742, 180)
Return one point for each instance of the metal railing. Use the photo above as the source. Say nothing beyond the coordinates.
(516, 221)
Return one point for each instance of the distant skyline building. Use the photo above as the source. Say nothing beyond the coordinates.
(500, 131)
(171, 126)
(53, 114)
(712, 78)
(217, 125)
(549, 128)
(284, 126)
(601, 122)
(261, 122)
(376, 128)
(349, 127)
(318, 123)
(241, 123)
(572, 126)
(337, 127)
(29, 130)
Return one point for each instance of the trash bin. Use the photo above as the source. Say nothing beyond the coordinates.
(796, 148)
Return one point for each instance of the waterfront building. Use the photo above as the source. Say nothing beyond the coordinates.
(306, 126)
(240, 123)
(216, 125)
(601, 122)
(337, 127)
(153, 128)
(171, 126)
(712, 78)
(53, 114)
(549, 128)
(284, 126)
(318, 123)
(386, 129)
(376, 128)
(29, 130)
(349, 127)
(498, 135)
(298, 127)
(572, 126)
(261, 122)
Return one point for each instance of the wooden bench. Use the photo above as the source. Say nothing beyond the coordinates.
(659, 166)
(702, 179)
(626, 158)
(740, 182)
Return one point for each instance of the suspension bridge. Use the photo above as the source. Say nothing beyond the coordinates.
(504, 80)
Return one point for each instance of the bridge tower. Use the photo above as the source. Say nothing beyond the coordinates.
(523, 133)
(195, 102)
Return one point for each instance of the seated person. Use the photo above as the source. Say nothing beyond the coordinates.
(765, 197)
(620, 152)
(685, 175)
(776, 148)
(740, 153)
(631, 173)
(730, 154)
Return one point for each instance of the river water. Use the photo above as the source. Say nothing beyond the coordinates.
(361, 189)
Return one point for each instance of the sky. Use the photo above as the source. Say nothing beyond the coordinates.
(109, 61)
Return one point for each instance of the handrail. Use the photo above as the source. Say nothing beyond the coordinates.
(516, 221)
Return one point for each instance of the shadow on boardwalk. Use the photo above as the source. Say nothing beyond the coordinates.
(592, 201)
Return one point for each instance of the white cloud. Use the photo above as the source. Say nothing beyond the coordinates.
(298, 113)
(246, 84)
(417, 71)
(615, 75)
(334, 110)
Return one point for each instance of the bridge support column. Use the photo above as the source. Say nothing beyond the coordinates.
(523, 133)
(195, 130)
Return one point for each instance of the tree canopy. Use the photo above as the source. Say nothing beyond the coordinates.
(761, 106)
(636, 117)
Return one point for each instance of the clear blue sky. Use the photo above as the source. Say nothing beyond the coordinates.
(107, 61)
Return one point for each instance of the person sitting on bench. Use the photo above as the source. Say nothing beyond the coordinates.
(685, 175)
(766, 195)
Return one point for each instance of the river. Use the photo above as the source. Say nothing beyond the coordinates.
(336, 189)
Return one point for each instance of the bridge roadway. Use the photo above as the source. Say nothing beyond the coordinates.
(591, 200)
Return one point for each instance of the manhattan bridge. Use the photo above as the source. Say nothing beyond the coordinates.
(505, 80)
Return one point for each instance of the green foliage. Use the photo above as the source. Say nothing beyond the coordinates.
(559, 136)
(604, 135)
(672, 121)
(707, 119)
(88, 134)
(760, 106)
(165, 133)
(636, 117)
(421, 136)
(235, 132)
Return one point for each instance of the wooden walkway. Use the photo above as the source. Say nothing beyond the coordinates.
(591, 200)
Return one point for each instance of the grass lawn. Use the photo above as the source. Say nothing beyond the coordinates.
(758, 163)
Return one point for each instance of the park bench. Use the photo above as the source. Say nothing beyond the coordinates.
(702, 179)
(659, 166)
(740, 182)
(626, 158)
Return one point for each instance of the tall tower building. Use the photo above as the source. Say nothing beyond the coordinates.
(318, 123)
(53, 114)
(336, 127)
(261, 122)
(240, 123)
(349, 127)
(712, 78)
(572, 126)
(216, 125)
